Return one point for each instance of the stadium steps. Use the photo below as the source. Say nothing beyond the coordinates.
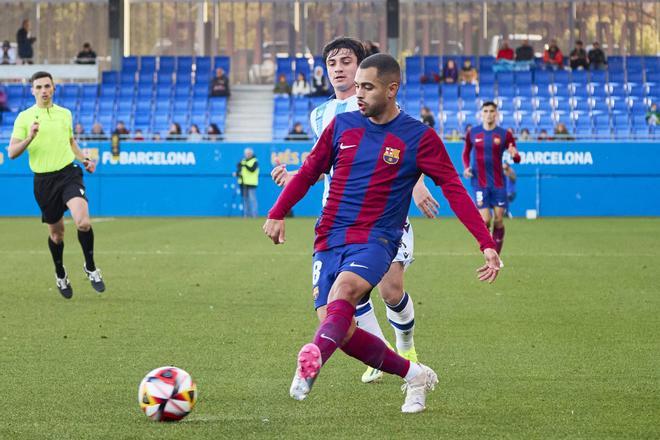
(250, 113)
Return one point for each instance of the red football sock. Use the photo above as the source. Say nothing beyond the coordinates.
(498, 236)
(334, 327)
(372, 351)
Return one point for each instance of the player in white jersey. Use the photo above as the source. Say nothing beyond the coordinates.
(342, 57)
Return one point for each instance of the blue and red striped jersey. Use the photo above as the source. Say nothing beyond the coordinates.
(483, 154)
(375, 168)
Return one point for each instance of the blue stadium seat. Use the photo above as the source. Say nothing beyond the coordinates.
(147, 63)
(284, 67)
(106, 105)
(542, 78)
(486, 80)
(166, 65)
(88, 105)
(165, 78)
(599, 91)
(218, 105)
(222, 61)
(302, 66)
(432, 66)
(431, 92)
(89, 91)
(124, 106)
(617, 77)
(524, 79)
(413, 69)
(110, 77)
(579, 77)
(126, 93)
(70, 90)
(485, 63)
(200, 106)
(129, 64)
(635, 76)
(598, 76)
(204, 65)
(127, 78)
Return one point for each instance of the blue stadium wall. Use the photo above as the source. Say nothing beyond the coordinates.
(195, 179)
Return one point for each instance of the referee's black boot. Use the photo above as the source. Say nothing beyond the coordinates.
(64, 286)
(95, 278)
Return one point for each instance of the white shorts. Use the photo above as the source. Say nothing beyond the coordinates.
(405, 253)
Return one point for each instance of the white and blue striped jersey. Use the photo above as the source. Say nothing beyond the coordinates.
(321, 116)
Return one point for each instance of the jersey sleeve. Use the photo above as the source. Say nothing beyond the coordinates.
(318, 162)
(509, 140)
(20, 130)
(312, 123)
(433, 160)
(69, 123)
(467, 149)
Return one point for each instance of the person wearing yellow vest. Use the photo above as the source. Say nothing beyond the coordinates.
(248, 179)
(45, 131)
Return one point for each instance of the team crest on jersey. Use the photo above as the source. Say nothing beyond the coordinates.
(497, 140)
(391, 155)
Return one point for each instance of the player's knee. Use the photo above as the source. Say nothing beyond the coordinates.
(57, 237)
(346, 291)
(391, 291)
(499, 222)
(84, 224)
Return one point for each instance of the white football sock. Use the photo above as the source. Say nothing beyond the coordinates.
(402, 319)
(366, 319)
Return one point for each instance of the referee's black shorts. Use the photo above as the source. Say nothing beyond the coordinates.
(53, 190)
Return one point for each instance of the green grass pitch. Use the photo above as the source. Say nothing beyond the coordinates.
(566, 343)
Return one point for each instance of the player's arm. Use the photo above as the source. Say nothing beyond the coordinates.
(433, 160)
(424, 199)
(88, 163)
(317, 163)
(467, 148)
(511, 147)
(21, 137)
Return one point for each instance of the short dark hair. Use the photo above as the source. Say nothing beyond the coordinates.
(385, 64)
(41, 74)
(489, 104)
(339, 43)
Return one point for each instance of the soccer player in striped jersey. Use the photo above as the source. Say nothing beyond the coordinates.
(482, 162)
(342, 57)
(378, 155)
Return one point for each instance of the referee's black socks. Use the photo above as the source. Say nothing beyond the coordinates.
(57, 251)
(86, 239)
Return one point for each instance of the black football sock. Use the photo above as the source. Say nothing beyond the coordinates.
(57, 251)
(86, 239)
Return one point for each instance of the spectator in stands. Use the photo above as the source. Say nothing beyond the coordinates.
(597, 60)
(552, 56)
(297, 133)
(525, 52)
(319, 84)
(86, 55)
(427, 117)
(450, 72)
(524, 135)
(505, 52)
(174, 133)
(25, 42)
(653, 115)
(301, 86)
(220, 84)
(156, 137)
(561, 133)
(97, 133)
(194, 135)
(121, 130)
(468, 74)
(138, 136)
(370, 47)
(213, 132)
(282, 87)
(578, 57)
(543, 135)
(8, 56)
(79, 131)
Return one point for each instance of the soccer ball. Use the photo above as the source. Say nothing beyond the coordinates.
(167, 394)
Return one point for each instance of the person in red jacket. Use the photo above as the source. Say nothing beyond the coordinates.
(552, 56)
(505, 52)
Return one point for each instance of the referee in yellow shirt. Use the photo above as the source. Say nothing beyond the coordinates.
(45, 131)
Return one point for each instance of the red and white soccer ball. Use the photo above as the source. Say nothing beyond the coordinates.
(167, 394)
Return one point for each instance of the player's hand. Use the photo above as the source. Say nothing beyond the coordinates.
(275, 230)
(490, 270)
(467, 173)
(90, 165)
(279, 175)
(425, 201)
(513, 151)
(34, 129)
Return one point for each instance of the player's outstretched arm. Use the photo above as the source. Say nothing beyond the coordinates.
(274, 229)
(424, 199)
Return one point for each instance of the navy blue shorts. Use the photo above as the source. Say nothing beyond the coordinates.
(371, 261)
(490, 197)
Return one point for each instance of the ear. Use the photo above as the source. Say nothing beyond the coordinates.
(392, 90)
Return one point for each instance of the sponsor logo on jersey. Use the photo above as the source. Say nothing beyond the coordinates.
(391, 155)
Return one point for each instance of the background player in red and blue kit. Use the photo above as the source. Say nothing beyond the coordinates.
(482, 162)
(377, 155)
